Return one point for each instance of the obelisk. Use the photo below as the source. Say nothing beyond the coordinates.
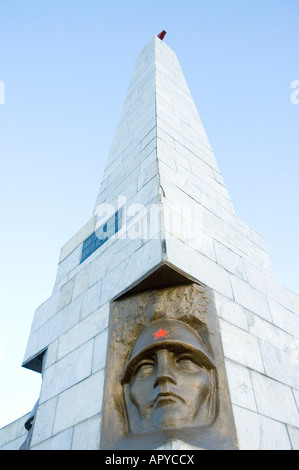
(166, 327)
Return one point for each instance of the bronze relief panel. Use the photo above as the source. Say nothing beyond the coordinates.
(165, 375)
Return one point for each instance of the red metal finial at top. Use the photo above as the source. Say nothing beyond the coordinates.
(162, 35)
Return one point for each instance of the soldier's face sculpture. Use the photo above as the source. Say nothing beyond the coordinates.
(169, 381)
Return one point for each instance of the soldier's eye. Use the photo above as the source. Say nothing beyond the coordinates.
(144, 368)
(186, 362)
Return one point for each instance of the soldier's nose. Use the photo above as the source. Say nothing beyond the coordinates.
(164, 368)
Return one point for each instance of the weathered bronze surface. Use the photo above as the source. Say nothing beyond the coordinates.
(170, 379)
(165, 375)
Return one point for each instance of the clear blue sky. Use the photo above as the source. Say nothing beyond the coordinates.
(66, 65)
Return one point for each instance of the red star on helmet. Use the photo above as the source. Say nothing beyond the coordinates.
(160, 334)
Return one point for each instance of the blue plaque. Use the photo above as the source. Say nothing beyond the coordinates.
(101, 235)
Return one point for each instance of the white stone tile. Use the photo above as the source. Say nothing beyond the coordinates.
(115, 256)
(274, 399)
(281, 364)
(173, 195)
(69, 263)
(168, 160)
(184, 222)
(291, 300)
(197, 166)
(296, 395)
(13, 430)
(147, 173)
(200, 150)
(220, 206)
(229, 260)
(97, 269)
(80, 402)
(112, 166)
(171, 176)
(164, 128)
(50, 355)
(252, 235)
(151, 135)
(91, 300)
(200, 242)
(218, 177)
(65, 295)
(146, 194)
(230, 311)
(257, 432)
(44, 445)
(83, 331)
(240, 385)
(274, 435)
(44, 312)
(202, 182)
(144, 106)
(188, 231)
(240, 346)
(142, 261)
(62, 441)
(100, 351)
(250, 298)
(127, 186)
(53, 329)
(260, 255)
(166, 151)
(138, 222)
(77, 239)
(256, 276)
(44, 420)
(267, 331)
(133, 268)
(284, 318)
(81, 281)
(15, 444)
(87, 434)
(200, 267)
(34, 345)
(227, 204)
(210, 185)
(65, 373)
(62, 322)
(111, 281)
(248, 428)
(294, 437)
(222, 231)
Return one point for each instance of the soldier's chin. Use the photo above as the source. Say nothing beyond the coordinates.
(168, 414)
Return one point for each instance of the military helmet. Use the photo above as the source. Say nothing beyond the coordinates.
(167, 333)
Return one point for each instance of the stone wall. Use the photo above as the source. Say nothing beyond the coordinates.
(14, 434)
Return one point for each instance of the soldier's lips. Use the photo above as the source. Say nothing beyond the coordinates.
(166, 398)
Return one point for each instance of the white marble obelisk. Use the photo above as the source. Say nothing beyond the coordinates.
(163, 200)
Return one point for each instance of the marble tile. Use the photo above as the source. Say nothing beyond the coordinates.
(256, 432)
(240, 346)
(80, 402)
(240, 385)
(86, 435)
(274, 399)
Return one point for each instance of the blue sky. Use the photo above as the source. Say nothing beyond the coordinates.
(66, 65)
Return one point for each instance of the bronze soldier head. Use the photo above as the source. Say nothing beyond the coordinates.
(169, 380)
